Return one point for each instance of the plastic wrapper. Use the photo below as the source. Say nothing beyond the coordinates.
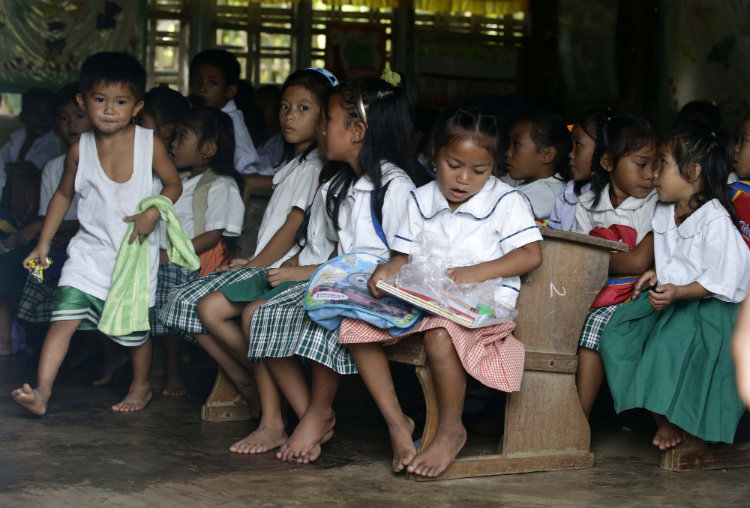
(424, 283)
(36, 268)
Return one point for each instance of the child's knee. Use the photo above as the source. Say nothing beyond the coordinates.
(208, 306)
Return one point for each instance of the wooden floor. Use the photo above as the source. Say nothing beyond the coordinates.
(82, 454)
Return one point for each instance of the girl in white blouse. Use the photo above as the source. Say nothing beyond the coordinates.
(668, 350)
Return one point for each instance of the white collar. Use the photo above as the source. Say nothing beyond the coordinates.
(290, 166)
(431, 201)
(631, 203)
(663, 220)
(388, 172)
(229, 106)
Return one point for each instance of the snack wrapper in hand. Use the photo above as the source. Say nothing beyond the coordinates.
(36, 269)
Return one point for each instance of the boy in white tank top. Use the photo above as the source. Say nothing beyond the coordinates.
(110, 168)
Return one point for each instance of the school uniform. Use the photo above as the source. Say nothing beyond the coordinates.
(281, 327)
(246, 159)
(739, 194)
(44, 148)
(564, 209)
(677, 361)
(270, 154)
(294, 186)
(628, 223)
(542, 194)
(489, 225)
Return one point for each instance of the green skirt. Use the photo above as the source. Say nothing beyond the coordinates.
(254, 288)
(675, 362)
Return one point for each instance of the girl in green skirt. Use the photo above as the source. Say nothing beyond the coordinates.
(668, 350)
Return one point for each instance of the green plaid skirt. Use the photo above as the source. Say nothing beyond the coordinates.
(37, 300)
(594, 325)
(280, 328)
(170, 276)
(181, 308)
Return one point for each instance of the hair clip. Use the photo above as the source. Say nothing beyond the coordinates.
(325, 72)
(390, 77)
(361, 109)
(713, 134)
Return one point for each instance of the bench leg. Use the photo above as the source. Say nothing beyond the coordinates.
(220, 405)
(694, 454)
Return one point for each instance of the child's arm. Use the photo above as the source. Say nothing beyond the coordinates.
(276, 276)
(644, 282)
(635, 261)
(171, 188)
(58, 207)
(664, 296)
(206, 241)
(741, 352)
(281, 242)
(386, 271)
(516, 262)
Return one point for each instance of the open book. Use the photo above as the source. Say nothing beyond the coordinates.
(446, 306)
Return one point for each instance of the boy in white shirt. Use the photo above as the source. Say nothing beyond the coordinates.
(214, 74)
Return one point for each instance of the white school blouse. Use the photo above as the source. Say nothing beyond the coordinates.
(633, 212)
(293, 187)
(706, 248)
(51, 175)
(246, 159)
(44, 148)
(357, 233)
(318, 247)
(102, 205)
(225, 209)
(564, 209)
(495, 221)
(542, 194)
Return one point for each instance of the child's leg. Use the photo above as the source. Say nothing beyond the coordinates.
(589, 377)
(114, 359)
(316, 425)
(271, 431)
(6, 321)
(376, 374)
(139, 392)
(174, 386)
(668, 435)
(54, 349)
(449, 377)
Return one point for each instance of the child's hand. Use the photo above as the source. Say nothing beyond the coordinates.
(144, 224)
(464, 275)
(384, 271)
(276, 276)
(662, 296)
(644, 282)
(234, 264)
(39, 252)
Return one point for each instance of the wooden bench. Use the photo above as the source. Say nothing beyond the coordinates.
(545, 428)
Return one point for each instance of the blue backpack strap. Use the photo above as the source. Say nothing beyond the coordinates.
(376, 217)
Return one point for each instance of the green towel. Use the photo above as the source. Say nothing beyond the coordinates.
(126, 308)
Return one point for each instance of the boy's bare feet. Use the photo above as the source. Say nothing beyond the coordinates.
(174, 386)
(135, 400)
(31, 398)
(668, 435)
(313, 429)
(439, 454)
(404, 450)
(261, 440)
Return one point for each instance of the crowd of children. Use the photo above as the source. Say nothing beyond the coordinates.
(148, 201)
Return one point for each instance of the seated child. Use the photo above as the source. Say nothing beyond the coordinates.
(537, 159)
(584, 142)
(739, 191)
(668, 350)
(214, 74)
(36, 298)
(618, 207)
(162, 108)
(488, 229)
(210, 209)
(28, 150)
(112, 170)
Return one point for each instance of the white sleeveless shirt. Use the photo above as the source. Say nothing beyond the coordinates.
(102, 205)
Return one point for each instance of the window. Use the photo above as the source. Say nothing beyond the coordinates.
(167, 50)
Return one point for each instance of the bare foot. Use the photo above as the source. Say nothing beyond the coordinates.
(439, 454)
(135, 400)
(32, 399)
(313, 429)
(110, 370)
(668, 435)
(174, 386)
(261, 440)
(239, 400)
(404, 450)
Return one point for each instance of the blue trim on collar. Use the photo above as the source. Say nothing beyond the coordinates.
(425, 217)
(511, 287)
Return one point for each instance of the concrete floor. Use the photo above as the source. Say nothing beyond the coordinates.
(82, 454)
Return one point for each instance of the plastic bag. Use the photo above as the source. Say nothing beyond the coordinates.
(423, 279)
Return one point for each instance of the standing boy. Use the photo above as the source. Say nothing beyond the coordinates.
(111, 169)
